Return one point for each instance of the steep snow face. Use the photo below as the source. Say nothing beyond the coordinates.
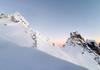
(80, 53)
(15, 57)
(16, 17)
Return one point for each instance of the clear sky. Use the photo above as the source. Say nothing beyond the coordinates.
(57, 18)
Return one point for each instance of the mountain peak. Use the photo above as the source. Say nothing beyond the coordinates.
(76, 35)
(77, 38)
(16, 17)
(17, 13)
(82, 52)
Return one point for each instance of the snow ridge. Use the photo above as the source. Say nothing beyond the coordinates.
(16, 17)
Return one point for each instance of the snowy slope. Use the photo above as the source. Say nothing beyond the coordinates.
(19, 33)
(75, 49)
(44, 44)
(21, 37)
(18, 44)
(15, 57)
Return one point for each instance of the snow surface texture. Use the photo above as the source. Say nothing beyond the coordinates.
(24, 44)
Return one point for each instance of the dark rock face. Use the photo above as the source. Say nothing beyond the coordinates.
(93, 45)
(90, 45)
(99, 44)
(77, 38)
(76, 35)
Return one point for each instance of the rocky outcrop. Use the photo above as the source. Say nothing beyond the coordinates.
(16, 17)
(89, 45)
(93, 45)
(34, 38)
(77, 38)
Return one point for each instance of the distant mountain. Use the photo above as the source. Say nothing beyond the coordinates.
(22, 48)
(84, 53)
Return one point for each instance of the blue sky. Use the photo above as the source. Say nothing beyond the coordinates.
(57, 18)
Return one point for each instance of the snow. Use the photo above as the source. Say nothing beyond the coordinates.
(80, 55)
(89, 41)
(15, 33)
(16, 17)
(15, 57)
(23, 36)
(46, 46)
(22, 48)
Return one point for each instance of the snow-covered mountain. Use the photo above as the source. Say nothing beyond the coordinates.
(23, 35)
(21, 47)
(81, 52)
(16, 57)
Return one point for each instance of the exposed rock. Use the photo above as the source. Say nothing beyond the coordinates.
(53, 44)
(89, 45)
(93, 45)
(16, 17)
(77, 38)
(97, 60)
(3, 24)
(63, 45)
(34, 37)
